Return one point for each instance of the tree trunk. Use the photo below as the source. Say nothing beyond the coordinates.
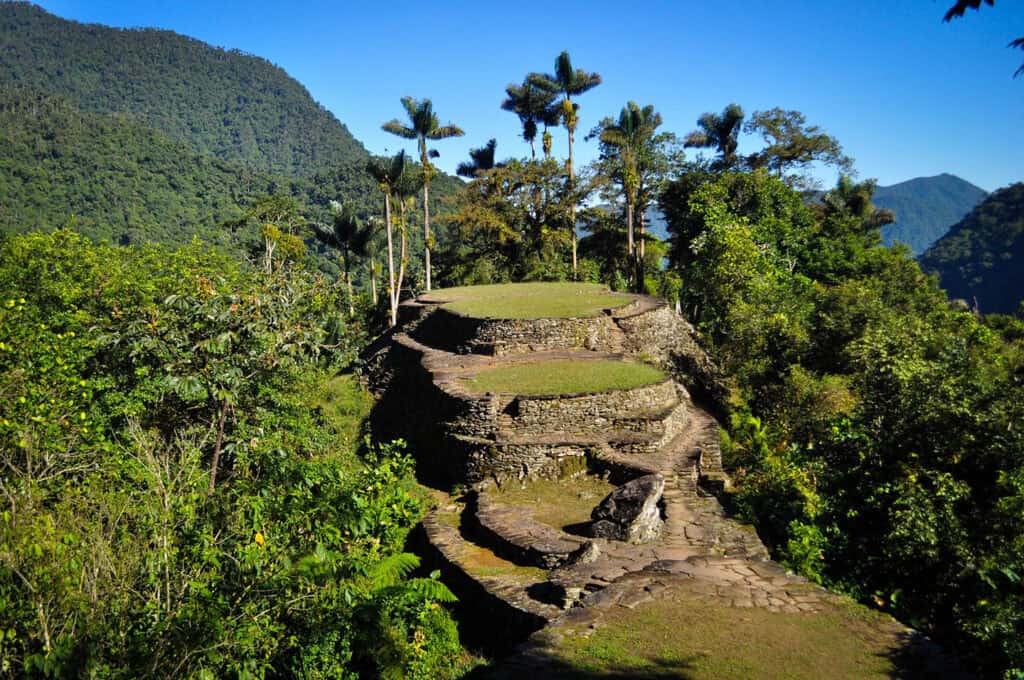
(348, 285)
(373, 281)
(392, 298)
(215, 463)
(533, 149)
(572, 206)
(426, 226)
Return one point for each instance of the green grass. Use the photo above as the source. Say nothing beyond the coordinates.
(529, 300)
(557, 503)
(683, 636)
(563, 376)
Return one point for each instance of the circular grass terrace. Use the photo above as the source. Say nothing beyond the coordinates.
(563, 376)
(528, 300)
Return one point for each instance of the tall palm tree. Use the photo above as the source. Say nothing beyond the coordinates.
(481, 160)
(388, 173)
(568, 82)
(631, 138)
(719, 132)
(533, 105)
(424, 125)
(349, 236)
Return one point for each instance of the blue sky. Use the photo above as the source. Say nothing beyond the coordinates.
(906, 94)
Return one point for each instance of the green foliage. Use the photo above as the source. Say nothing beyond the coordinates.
(512, 224)
(128, 372)
(234, 106)
(976, 259)
(875, 437)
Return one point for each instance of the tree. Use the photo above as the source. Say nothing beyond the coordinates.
(482, 160)
(388, 173)
(793, 145)
(569, 83)
(721, 133)
(533, 105)
(424, 125)
(348, 236)
(279, 216)
(636, 153)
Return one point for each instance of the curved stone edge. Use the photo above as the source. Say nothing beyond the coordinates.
(514, 534)
(489, 600)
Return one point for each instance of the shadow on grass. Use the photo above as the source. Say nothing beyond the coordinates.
(919, 657)
(542, 665)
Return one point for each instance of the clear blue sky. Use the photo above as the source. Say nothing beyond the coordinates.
(906, 94)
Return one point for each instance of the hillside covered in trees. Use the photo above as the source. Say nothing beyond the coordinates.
(232, 105)
(980, 258)
(925, 208)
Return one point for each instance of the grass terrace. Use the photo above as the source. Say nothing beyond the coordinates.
(558, 503)
(563, 376)
(683, 636)
(529, 300)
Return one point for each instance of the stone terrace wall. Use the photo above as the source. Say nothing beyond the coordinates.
(450, 331)
(588, 412)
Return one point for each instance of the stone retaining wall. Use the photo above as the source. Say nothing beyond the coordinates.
(450, 331)
(588, 412)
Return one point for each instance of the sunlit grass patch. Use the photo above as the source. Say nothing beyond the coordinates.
(529, 300)
(563, 376)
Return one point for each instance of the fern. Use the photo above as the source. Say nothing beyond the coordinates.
(392, 569)
(431, 589)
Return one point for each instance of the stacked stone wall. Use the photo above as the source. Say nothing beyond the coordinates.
(588, 412)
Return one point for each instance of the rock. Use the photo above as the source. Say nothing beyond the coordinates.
(585, 554)
(630, 513)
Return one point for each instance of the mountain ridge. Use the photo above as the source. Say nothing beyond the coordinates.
(925, 208)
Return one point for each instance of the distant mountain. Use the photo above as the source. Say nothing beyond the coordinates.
(147, 135)
(925, 208)
(235, 106)
(982, 256)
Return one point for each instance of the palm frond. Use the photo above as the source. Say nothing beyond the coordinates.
(445, 132)
(395, 127)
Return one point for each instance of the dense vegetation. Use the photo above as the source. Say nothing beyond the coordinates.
(232, 105)
(925, 208)
(875, 438)
(181, 494)
(979, 259)
(119, 180)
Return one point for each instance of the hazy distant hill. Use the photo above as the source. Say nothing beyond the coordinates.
(982, 256)
(925, 207)
(235, 106)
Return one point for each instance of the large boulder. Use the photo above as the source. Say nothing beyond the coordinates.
(631, 512)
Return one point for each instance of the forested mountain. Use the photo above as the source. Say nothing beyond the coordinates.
(233, 105)
(980, 258)
(925, 208)
(120, 180)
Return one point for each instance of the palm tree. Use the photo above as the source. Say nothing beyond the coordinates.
(388, 172)
(720, 132)
(348, 236)
(424, 126)
(568, 82)
(533, 105)
(631, 138)
(481, 160)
